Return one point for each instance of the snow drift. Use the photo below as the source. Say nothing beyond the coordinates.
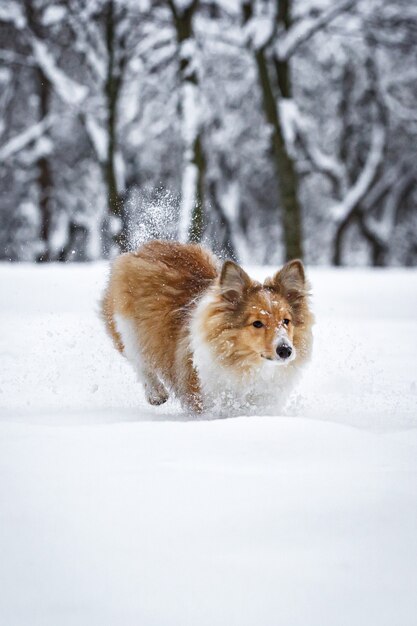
(115, 512)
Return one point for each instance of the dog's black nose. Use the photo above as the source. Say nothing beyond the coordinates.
(284, 351)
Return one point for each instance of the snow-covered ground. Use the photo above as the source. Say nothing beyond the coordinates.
(116, 513)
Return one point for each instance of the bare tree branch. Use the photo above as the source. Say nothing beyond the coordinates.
(288, 42)
(23, 139)
(366, 178)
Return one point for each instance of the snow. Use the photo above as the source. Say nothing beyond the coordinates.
(259, 30)
(304, 29)
(27, 136)
(115, 512)
(230, 202)
(182, 5)
(289, 119)
(68, 90)
(190, 113)
(13, 12)
(190, 128)
(97, 136)
(54, 14)
(188, 200)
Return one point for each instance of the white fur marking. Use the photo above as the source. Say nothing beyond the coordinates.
(126, 329)
(154, 389)
(225, 388)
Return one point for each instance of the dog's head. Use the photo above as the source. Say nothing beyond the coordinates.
(248, 322)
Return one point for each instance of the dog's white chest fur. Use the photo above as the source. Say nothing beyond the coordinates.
(226, 390)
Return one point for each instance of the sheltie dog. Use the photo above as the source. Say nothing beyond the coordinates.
(206, 331)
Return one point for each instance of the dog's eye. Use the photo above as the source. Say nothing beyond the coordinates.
(257, 324)
(286, 322)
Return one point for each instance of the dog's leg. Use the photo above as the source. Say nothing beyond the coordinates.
(154, 389)
(192, 397)
(186, 381)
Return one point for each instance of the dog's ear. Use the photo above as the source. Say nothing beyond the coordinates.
(291, 279)
(233, 282)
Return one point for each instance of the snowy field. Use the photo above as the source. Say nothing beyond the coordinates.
(116, 513)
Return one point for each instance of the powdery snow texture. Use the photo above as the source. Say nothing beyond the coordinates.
(113, 512)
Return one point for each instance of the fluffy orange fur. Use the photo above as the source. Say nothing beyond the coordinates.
(158, 287)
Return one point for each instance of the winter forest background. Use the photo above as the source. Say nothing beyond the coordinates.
(268, 128)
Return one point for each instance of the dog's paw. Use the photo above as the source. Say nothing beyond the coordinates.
(194, 404)
(156, 395)
(156, 400)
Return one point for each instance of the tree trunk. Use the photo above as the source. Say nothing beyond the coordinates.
(44, 174)
(280, 87)
(225, 237)
(192, 213)
(112, 92)
(225, 199)
(284, 165)
(76, 233)
(339, 237)
(194, 205)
